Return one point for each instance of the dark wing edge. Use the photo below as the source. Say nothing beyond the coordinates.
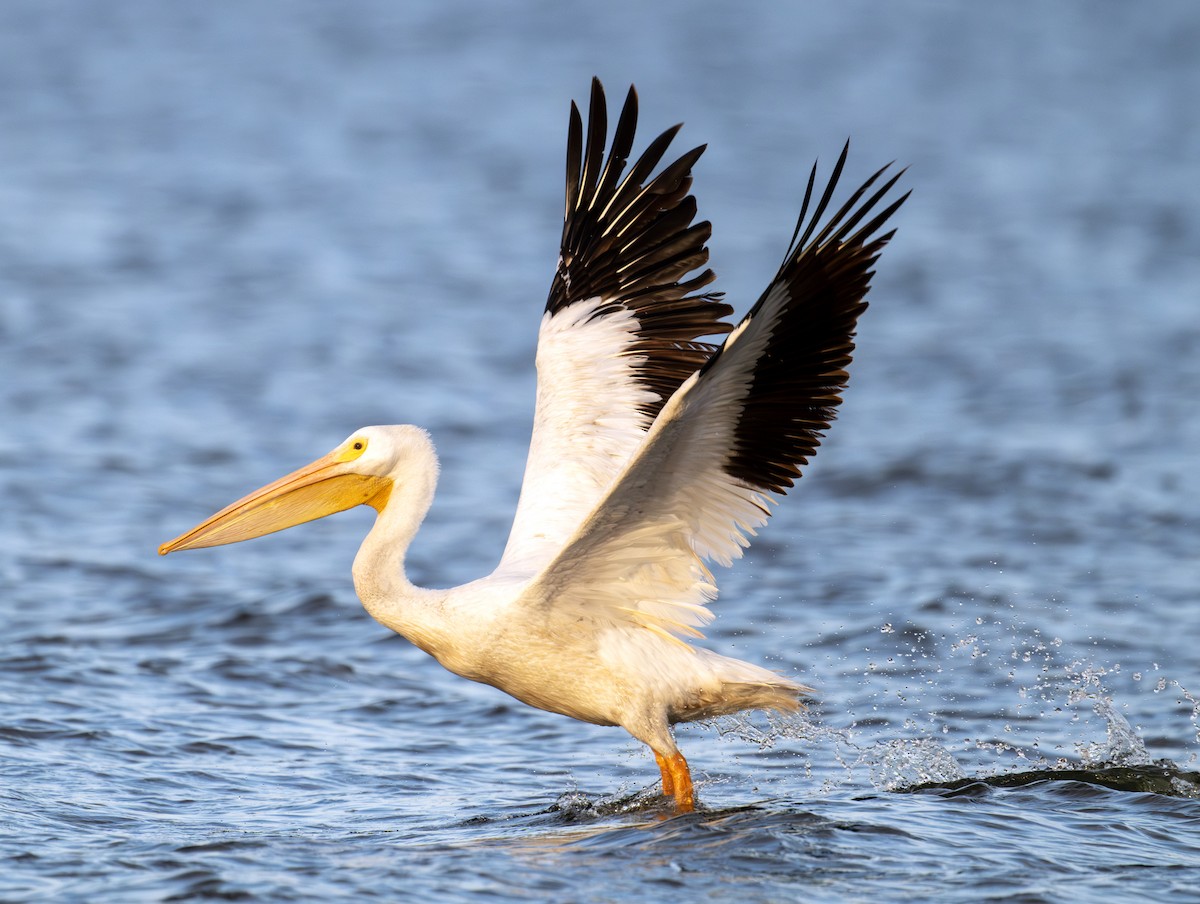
(812, 308)
(631, 242)
(735, 435)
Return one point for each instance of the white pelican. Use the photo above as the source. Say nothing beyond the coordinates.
(652, 453)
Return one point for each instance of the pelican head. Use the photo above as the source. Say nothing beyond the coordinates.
(360, 471)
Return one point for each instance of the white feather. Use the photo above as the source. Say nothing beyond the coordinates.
(639, 555)
(587, 424)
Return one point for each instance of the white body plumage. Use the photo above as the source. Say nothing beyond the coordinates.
(653, 452)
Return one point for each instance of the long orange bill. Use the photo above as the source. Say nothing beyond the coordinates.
(314, 491)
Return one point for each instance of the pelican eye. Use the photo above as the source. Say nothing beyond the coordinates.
(353, 449)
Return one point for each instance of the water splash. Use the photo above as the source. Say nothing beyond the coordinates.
(902, 763)
(890, 764)
(1053, 715)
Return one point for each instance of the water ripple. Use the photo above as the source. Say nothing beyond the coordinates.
(228, 240)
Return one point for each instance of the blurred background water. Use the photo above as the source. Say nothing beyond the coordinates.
(232, 233)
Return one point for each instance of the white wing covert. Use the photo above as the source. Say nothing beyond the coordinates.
(621, 328)
(733, 437)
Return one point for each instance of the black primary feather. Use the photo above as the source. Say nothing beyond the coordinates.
(796, 382)
(631, 242)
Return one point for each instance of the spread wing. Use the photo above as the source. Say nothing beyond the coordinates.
(621, 328)
(733, 437)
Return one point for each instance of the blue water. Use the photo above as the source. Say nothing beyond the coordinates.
(231, 235)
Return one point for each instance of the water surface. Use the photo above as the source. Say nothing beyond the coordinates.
(229, 239)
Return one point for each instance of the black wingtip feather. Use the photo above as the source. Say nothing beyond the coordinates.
(631, 241)
(797, 381)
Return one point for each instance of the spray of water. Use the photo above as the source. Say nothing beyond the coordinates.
(1052, 715)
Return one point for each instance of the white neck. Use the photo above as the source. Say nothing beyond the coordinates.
(379, 577)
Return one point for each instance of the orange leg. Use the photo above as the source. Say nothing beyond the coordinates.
(677, 780)
(668, 781)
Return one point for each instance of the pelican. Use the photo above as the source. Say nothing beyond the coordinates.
(653, 453)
